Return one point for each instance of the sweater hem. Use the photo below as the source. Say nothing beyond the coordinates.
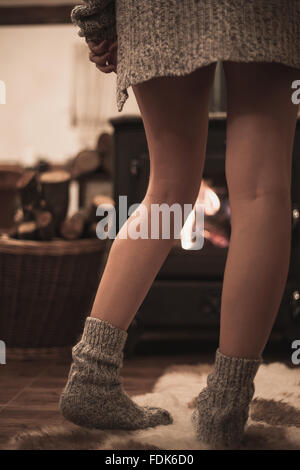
(128, 80)
(157, 39)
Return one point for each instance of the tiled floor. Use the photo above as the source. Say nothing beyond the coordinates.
(30, 390)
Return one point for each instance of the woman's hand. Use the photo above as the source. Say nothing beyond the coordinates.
(104, 55)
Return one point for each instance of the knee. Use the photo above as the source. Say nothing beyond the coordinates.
(172, 191)
(272, 196)
(266, 180)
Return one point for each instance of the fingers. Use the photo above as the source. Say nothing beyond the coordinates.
(113, 46)
(107, 69)
(91, 44)
(102, 53)
(99, 59)
(99, 48)
(100, 62)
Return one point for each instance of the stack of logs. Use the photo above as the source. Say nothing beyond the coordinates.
(44, 200)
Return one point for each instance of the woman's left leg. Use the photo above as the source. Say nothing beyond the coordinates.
(260, 135)
(260, 132)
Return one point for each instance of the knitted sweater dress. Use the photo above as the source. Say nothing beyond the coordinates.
(174, 37)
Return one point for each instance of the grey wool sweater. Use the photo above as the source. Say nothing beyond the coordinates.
(173, 38)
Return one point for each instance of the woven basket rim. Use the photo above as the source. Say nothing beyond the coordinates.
(52, 247)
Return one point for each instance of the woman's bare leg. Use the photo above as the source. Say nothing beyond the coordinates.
(175, 115)
(260, 133)
(260, 130)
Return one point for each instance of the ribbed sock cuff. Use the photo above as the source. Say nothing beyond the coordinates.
(235, 371)
(98, 333)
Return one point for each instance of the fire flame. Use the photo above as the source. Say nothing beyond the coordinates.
(210, 201)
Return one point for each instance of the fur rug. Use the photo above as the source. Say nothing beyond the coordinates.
(274, 421)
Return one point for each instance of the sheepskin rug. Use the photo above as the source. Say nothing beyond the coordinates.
(274, 421)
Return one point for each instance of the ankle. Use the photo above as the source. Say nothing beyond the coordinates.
(240, 352)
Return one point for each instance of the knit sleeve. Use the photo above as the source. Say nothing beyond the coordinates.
(96, 19)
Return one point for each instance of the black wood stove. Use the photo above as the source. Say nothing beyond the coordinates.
(186, 293)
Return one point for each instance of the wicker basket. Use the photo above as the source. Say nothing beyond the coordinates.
(46, 290)
(9, 175)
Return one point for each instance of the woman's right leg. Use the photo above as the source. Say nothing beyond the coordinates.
(175, 116)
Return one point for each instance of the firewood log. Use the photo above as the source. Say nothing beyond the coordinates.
(45, 224)
(29, 191)
(39, 227)
(55, 192)
(104, 201)
(12, 232)
(19, 216)
(85, 162)
(83, 223)
(73, 227)
(91, 230)
(27, 231)
(105, 147)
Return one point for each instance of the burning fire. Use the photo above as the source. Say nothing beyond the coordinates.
(209, 199)
(211, 204)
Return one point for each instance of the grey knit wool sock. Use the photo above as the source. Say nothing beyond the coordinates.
(93, 396)
(223, 405)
